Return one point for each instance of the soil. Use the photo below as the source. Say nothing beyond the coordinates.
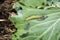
(6, 26)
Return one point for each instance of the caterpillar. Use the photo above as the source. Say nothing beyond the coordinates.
(35, 17)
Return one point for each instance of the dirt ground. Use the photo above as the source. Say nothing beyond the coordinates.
(6, 26)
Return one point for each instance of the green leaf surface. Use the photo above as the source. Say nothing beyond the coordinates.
(48, 29)
(33, 3)
(45, 28)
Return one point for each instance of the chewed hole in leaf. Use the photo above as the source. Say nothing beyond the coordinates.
(20, 8)
(24, 35)
(43, 3)
(47, 4)
(15, 35)
(52, 2)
